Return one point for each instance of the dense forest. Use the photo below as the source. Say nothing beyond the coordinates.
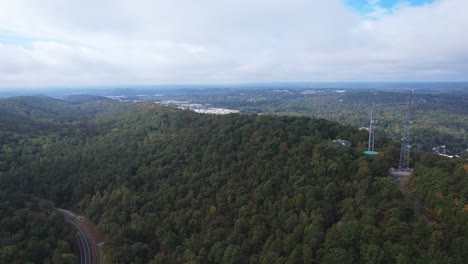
(31, 232)
(173, 186)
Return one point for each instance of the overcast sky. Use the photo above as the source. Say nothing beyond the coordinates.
(115, 42)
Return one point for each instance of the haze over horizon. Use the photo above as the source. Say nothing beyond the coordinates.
(70, 43)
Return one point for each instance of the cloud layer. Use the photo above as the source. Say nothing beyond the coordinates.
(57, 42)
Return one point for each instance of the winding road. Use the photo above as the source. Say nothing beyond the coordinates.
(87, 244)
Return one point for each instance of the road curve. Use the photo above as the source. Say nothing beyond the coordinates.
(86, 245)
(83, 244)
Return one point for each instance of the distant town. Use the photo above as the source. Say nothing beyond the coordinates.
(186, 105)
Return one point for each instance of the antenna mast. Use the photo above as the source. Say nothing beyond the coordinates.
(370, 147)
(370, 134)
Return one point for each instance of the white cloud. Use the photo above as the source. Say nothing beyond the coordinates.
(180, 41)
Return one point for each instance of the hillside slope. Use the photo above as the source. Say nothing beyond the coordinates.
(171, 186)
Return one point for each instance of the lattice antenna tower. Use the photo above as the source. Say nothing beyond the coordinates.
(406, 140)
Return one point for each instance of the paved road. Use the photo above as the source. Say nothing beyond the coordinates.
(86, 244)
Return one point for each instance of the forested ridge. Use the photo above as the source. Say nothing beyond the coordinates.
(172, 186)
(439, 118)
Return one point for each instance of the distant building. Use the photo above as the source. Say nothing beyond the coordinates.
(216, 111)
(341, 142)
(448, 156)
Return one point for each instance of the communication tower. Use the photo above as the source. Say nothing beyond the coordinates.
(370, 146)
(405, 140)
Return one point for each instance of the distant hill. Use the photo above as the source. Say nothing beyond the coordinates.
(81, 99)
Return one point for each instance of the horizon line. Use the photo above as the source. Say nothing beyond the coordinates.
(119, 86)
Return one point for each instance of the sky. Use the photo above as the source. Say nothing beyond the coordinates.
(119, 42)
